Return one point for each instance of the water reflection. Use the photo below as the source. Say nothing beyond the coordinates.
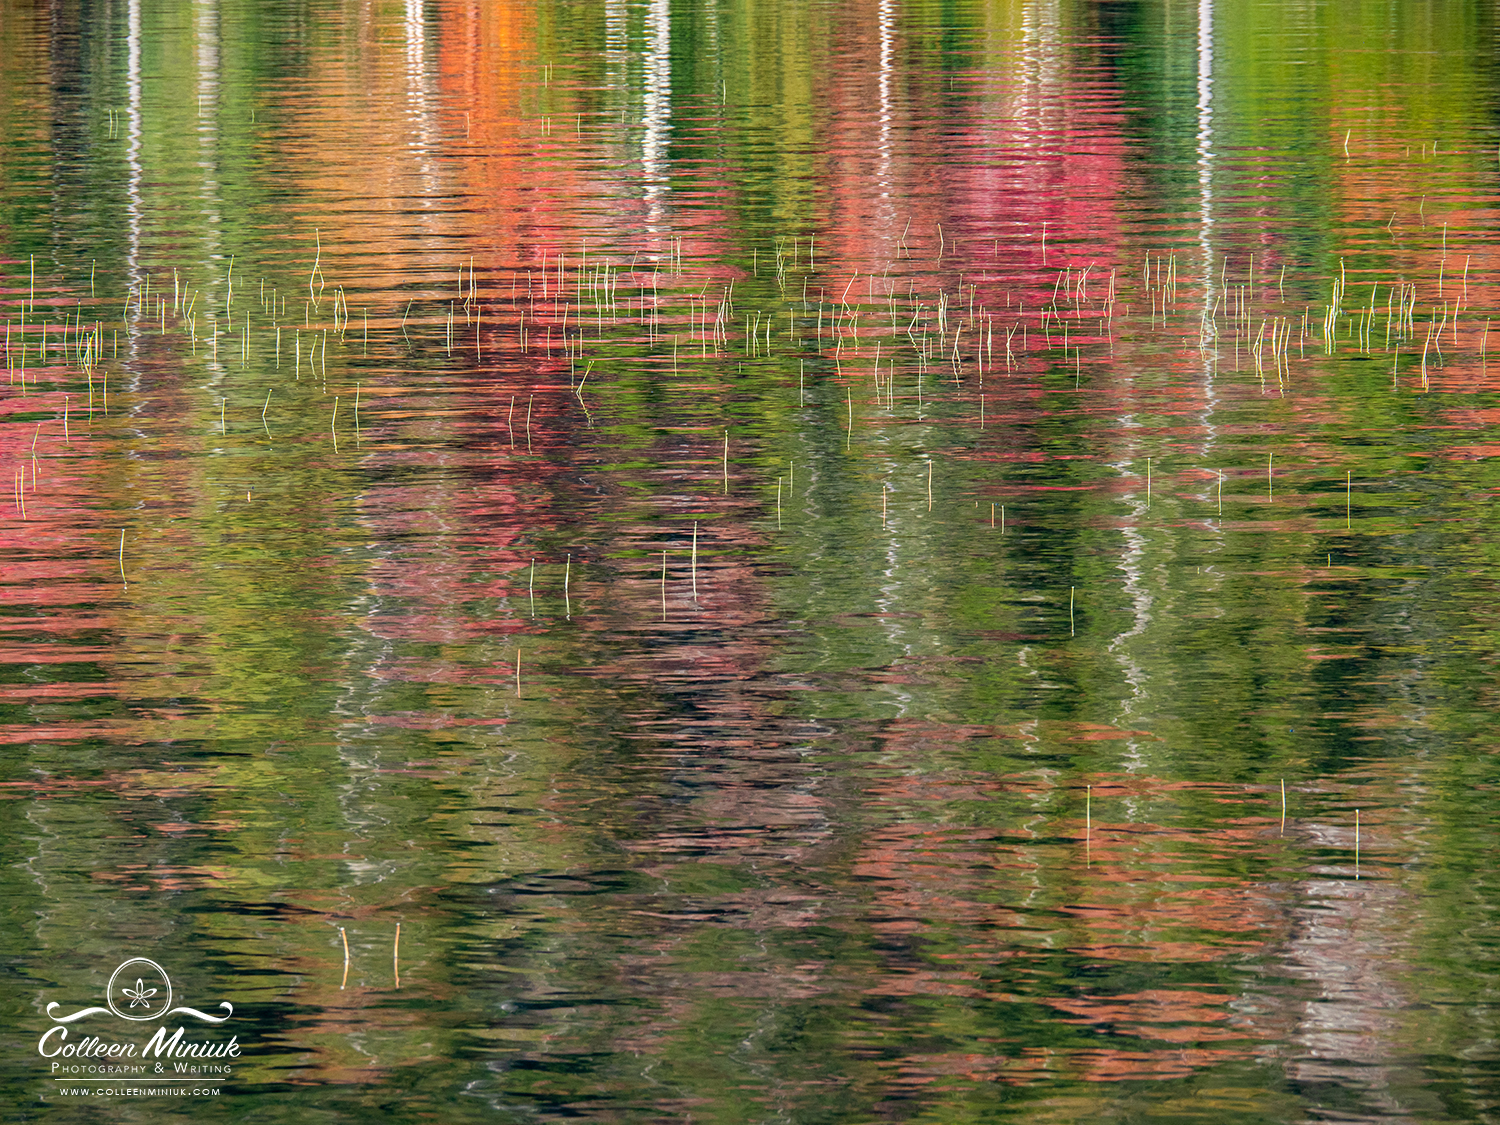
(134, 202)
(656, 503)
(658, 108)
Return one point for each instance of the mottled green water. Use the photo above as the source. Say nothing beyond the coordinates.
(823, 563)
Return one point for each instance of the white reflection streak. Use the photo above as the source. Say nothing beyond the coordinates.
(1206, 154)
(615, 42)
(890, 596)
(1044, 90)
(658, 108)
(887, 42)
(416, 39)
(417, 94)
(1028, 101)
(206, 34)
(1133, 560)
(1208, 333)
(133, 149)
(1132, 563)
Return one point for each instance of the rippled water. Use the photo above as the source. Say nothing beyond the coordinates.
(821, 562)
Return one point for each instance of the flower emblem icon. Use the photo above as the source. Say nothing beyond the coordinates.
(139, 994)
(139, 990)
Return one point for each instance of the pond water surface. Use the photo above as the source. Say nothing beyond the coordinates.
(744, 562)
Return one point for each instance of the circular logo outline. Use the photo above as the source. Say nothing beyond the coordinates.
(109, 992)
